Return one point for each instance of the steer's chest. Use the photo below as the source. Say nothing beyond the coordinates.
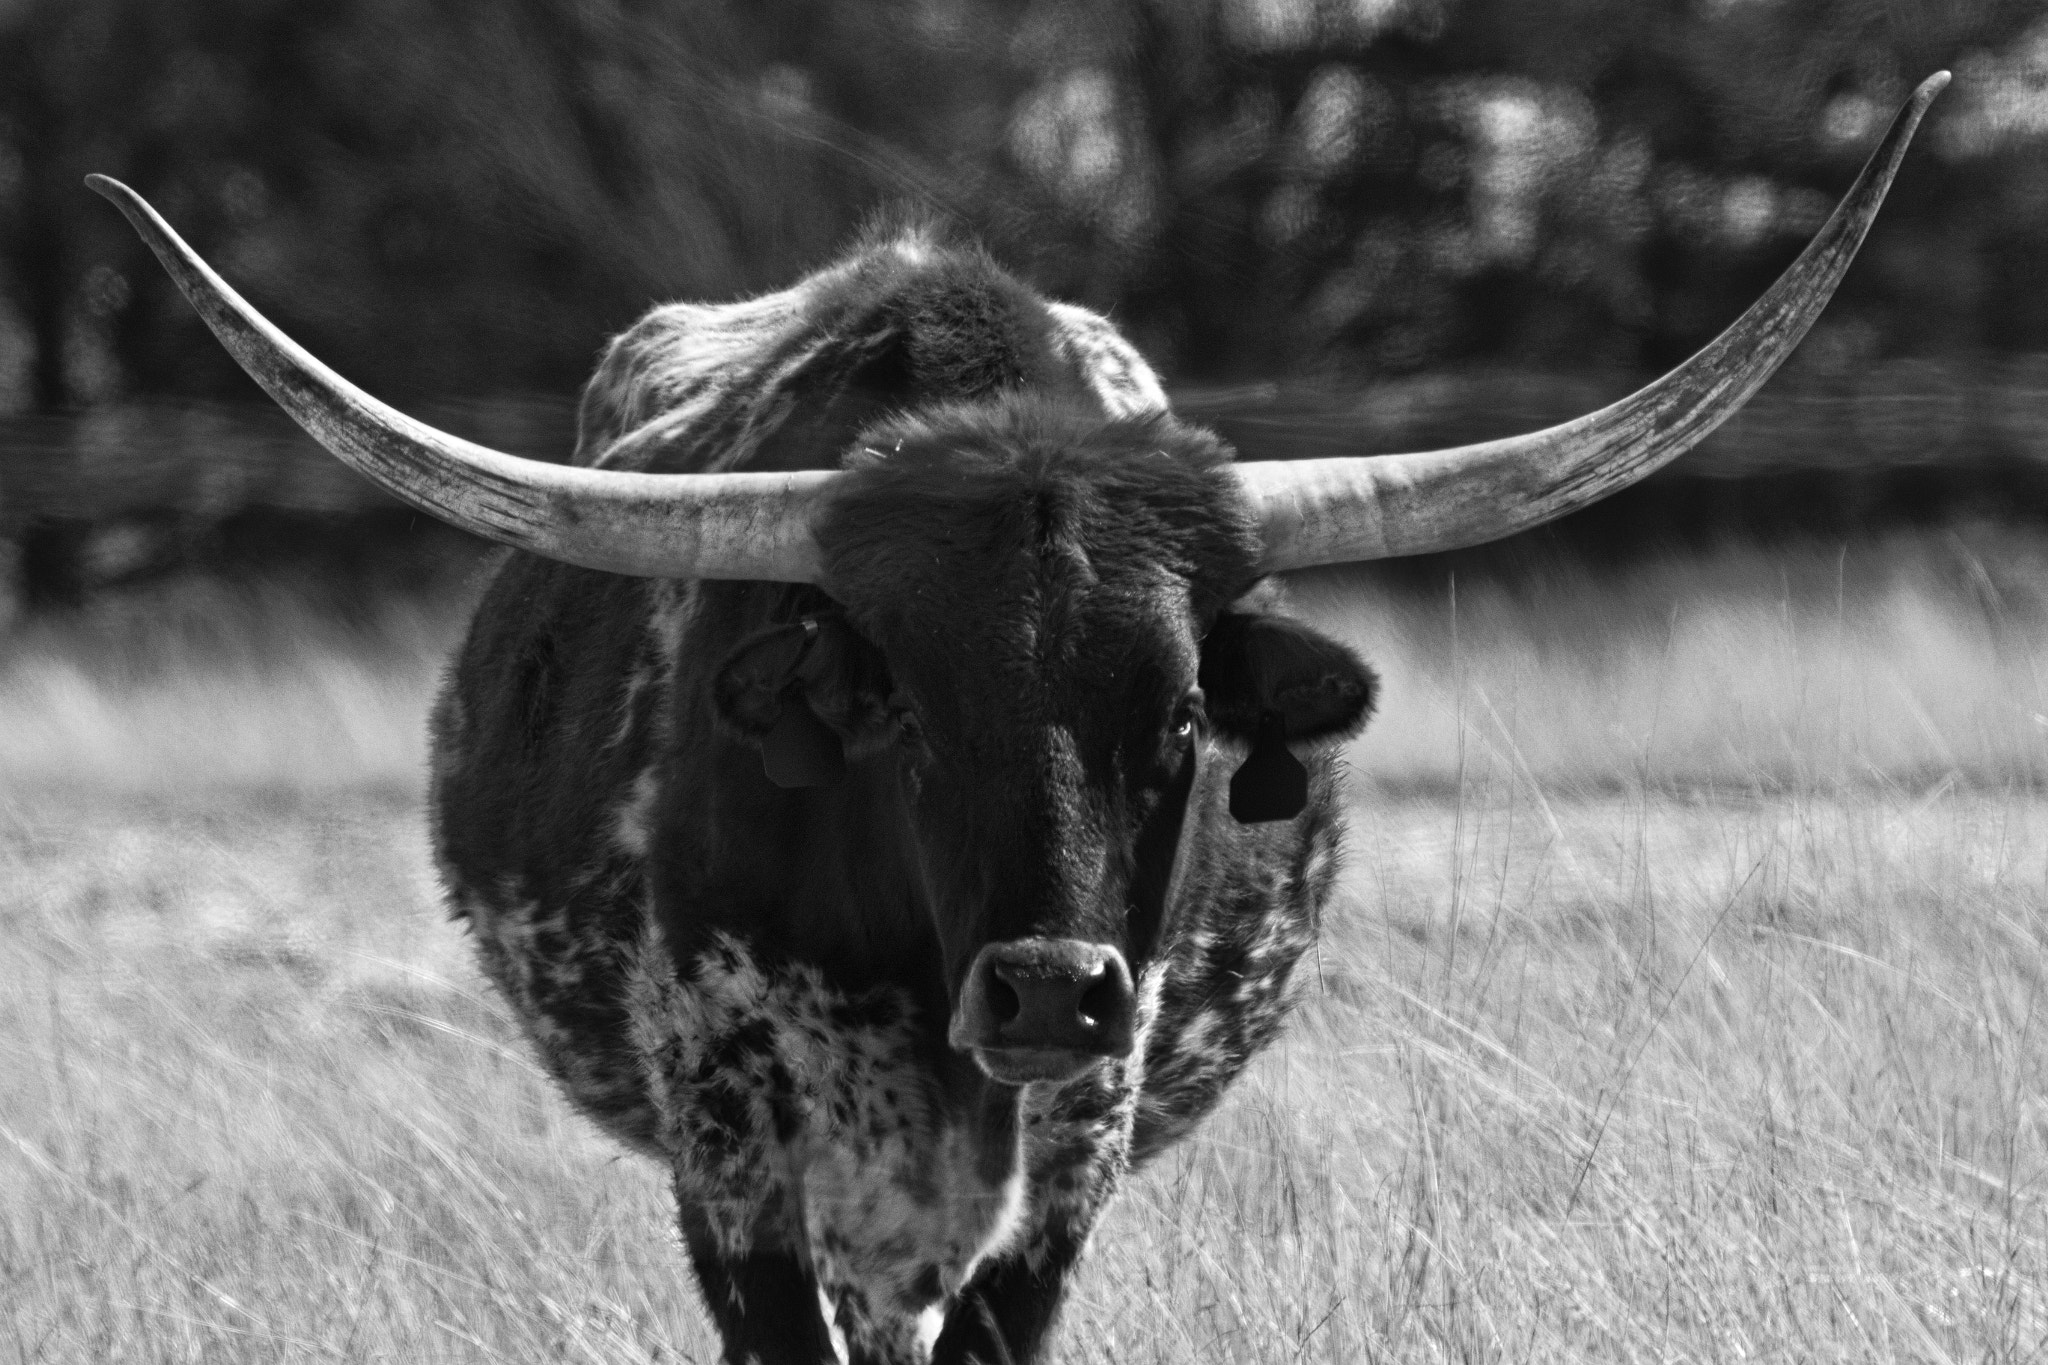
(800, 1117)
(795, 1116)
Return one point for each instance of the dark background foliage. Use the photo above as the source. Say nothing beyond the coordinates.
(1334, 224)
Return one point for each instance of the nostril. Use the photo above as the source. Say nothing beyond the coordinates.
(1101, 1002)
(1003, 1003)
(1047, 996)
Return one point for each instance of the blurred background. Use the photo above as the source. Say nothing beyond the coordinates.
(1333, 225)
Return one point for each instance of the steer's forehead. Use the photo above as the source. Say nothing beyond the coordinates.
(1042, 624)
(1028, 566)
(1024, 564)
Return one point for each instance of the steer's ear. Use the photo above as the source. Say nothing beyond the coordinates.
(1273, 682)
(806, 692)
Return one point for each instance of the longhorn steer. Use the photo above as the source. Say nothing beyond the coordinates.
(877, 793)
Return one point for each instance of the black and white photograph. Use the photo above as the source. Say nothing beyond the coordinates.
(1008, 682)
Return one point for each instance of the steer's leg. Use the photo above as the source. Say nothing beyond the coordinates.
(888, 1337)
(1004, 1314)
(764, 1303)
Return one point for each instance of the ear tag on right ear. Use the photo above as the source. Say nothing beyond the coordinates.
(800, 750)
(1271, 784)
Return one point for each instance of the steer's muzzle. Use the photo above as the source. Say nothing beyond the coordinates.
(1045, 1009)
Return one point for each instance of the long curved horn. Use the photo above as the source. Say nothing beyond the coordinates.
(653, 525)
(1334, 511)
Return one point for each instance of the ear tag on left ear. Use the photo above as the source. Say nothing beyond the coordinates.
(800, 750)
(1271, 784)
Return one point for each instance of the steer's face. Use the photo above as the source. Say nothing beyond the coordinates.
(1027, 597)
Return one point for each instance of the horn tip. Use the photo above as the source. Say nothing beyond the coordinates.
(1932, 86)
(107, 187)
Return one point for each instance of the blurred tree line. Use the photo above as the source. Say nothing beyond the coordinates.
(465, 197)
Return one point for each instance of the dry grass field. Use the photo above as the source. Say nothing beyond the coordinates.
(1680, 1004)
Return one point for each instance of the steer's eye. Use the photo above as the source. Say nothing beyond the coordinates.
(1171, 745)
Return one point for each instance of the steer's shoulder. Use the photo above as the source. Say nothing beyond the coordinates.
(779, 381)
(548, 718)
(681, 363)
